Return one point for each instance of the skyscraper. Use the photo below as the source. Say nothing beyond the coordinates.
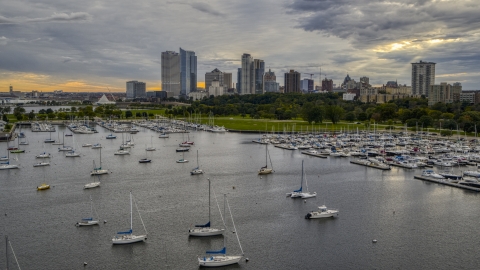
(270, 82)
(423, 75)
(259, 67)
(247, 82)
(225, 79)
(292, 82)
(171, 72)
(188, 72)
(136, 89)
(239, 81)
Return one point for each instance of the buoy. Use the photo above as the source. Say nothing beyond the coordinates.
(374, 241)
(233, 187)
(246, 259)
(305, 201)
(104, 221)
(84, 263)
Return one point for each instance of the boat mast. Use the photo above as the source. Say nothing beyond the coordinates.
(6, 249)
(208, 198)
(266, 149)
(131, 209)
(198, 166)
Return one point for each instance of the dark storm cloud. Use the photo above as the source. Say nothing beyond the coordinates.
(366, 22)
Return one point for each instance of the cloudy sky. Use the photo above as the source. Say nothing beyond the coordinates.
(98, 45)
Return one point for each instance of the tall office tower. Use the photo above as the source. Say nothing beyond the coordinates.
(292, 82)
(171, 72)
(11, 89)
(327, 85)
(307, 85)
(259, 67)
(365, 80)
(270, 82)
(215, 74)
(247, 82)
(239, 80)
(136, 89)
(227, 80)
(423, 75)
(188, 72)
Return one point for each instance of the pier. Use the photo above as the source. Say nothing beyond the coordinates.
(445, 182)
(314, 155)
(370, 164)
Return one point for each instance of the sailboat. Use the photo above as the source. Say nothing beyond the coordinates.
(43, 186)
(219, 257)
(182, 160)
(122, 150)
(299, 192)
(151, 148)
(5, 165)
(64, 148)
(98, 170)
(49, 140)
(145, 160)
(206, 230)
(57, 142)
(266, 170)
(94, 184)
(306, 195)
(89, 221)
(17, 150)
(128, 237)
(196, 170)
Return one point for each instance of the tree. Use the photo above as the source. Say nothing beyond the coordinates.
(5, 118)
(350, 117)
(334, 113)
(128, 114)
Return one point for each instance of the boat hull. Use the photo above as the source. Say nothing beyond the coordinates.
(265, 171)
(41, 164)
(314, 215)
(91, 185)
(218, 260)
(195, 172)
(87, 223)
(8, 167)
(99, 172)
(205, 232)
(128, 239)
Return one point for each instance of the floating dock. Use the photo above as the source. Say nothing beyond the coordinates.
(314, 155)
(284, 147)
(370, 164)
(445, 182)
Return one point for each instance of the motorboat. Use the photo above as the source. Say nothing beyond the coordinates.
(43, 187)
(72, 154)
(40, 164)
(96, 146)
(163, 135)
(110, 136)
(87, 145)
(145, 160)
(44, 155)
(431, 173)
(183, 149)
(322, 212)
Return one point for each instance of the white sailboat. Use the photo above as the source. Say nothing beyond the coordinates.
(266, 170)
(6, 164)
(65, 148)
(90, 220)
(151, 148)
(182, 160)
(40, 164)
(206, 230)
(146, 159)
(306, 195)
(93, 184)
(98, 170)
(218, 257)
(297, 193)
(196, 170)
(128, 237)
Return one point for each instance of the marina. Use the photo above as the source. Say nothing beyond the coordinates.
(375, 204)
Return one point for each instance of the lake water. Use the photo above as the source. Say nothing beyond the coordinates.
(418, 225)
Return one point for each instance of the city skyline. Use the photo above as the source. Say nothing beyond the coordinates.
(98, 47)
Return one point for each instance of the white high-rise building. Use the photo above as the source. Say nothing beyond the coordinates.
(423, 75)
(247, 81)
(216, 89)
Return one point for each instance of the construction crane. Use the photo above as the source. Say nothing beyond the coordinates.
(311, 75)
